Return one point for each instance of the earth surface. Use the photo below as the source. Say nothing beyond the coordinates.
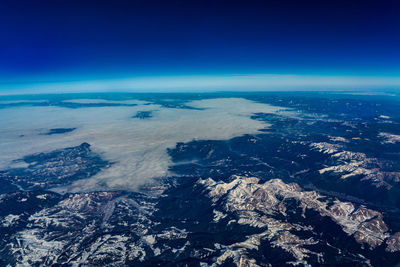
(216, 179)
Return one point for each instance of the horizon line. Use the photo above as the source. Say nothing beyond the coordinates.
(207, 83)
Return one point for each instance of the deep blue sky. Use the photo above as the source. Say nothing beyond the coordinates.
(74, 40)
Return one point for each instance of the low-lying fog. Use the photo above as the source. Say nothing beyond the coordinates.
(137, 146)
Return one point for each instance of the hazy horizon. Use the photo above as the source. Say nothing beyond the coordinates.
(209, 83)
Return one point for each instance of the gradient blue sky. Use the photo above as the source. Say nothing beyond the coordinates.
(58, 41)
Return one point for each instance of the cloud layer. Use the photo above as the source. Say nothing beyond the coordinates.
(138, 147)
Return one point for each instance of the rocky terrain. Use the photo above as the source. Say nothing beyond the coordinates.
(126, 228)
(265, 205)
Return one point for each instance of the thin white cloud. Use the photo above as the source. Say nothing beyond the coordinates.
(104, 101)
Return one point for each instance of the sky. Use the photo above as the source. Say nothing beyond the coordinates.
(58, 44)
